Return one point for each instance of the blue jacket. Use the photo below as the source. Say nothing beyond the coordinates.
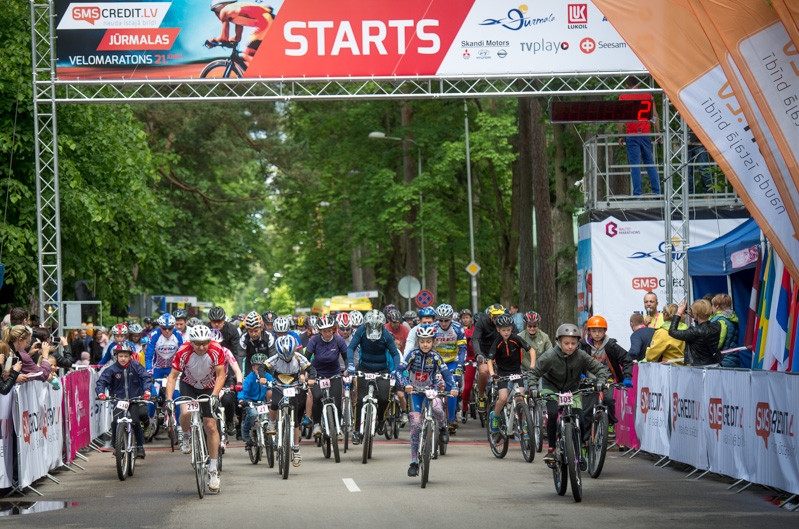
(150, 360)
(376, 355)
(422, 369)
(324, 355)
(251, 389)
(109, 356)
(124, 382)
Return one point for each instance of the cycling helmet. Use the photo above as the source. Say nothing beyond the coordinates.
(495, 310)
(193, 322)
(503, 320)
(388, 308)
(409, 315)
(180, 314)
(312, 322)
(343, 320)
(427, 311)
(426, 331)
(258, 359)
(531, 317)
(325, 322)
(356, 318)
(253, 320)
(302, 321)
(200, 333)
(166, 320)
(285, 347)
(465, 312)
(567, 329)
(219, 3)
(394, 315)
(216, 313)
(216, 335)
(119, 328)
(596, 322)
(122, 347)
(147, 320)
(282, 324)
(269, 316)
(444, 311)
(374, 321)
(135, 328)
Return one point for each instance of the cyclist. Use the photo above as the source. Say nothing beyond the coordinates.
(469, 371)
(378, 354)
(451, 345)
(344, 327)
(282, 327)
(560, 369)
(256, 341)
(202, 363)
(356, 319)
(289, 367)
(325, 350)
(427, 316)
(193, 322)
(254, 389)
(483, 336)
(243, 13)
(120, 334)
(230, 336)
(233, 380)
(126, 380)
(505, 358)
(163, 343)
(408, 319)
(397, 330)
(537, 338)
(269, 318)
(423, 363)
(181, 317)
(135, 336)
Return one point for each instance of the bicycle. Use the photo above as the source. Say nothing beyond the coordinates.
(285, 427)
(429, 444)
(200, 458)
(473, 396)
(597, 443)
(538, 414)
(233, 66)
(220, 425)
(330, 421)
(262, 443)
(515, 420)
(393, 416)
(125, 445)
(346, 411)
(369, 413)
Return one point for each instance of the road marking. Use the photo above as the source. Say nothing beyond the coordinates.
(350, 484)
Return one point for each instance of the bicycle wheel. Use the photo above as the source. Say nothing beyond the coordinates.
(538, 425)
(220, 452)
(427, 448)
(523, 427)
(286, 448)
(598, 443)
(254, 451)
(559, 470)
(220, 69)
(346, 420)
(269, 448)
(172, 431)
(331, 420)
(367, 432)
(570, 436)
(153, 425)
(121, 453)
(498, 441)
(131, 458)
(326, 446)
(388, 430)
(442, 447)
(199, 461)
(397, 427)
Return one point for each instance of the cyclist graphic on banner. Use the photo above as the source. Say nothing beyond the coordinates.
(243, 13)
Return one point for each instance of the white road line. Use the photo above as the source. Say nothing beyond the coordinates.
(350, 484)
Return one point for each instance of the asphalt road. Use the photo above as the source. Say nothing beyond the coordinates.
(468, 487)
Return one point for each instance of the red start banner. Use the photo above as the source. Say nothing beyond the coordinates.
(348, 38)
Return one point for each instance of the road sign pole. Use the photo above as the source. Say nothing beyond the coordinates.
(473, 280)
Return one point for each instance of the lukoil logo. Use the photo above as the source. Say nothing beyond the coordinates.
(768, 421)
(517, 19)
(577, 16)
(587, 45)
(611, 229)
(646, 284)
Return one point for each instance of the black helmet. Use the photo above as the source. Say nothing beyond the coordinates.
(269, 316)
(503, 320)
(180, 314)
(216, 314)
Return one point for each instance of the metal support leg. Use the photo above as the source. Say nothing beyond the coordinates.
(635, 453)
(735, 484)
(792, 496)
(743, 488)
(69, 468)
(52, 478)
(703, 474)
(691, 473)
(81, 456)
(661, 460)
(77, 465)
(34, 491)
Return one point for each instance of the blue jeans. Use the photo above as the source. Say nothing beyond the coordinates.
(697, 154)
(250, 414)
(452, 402)
(639, 147)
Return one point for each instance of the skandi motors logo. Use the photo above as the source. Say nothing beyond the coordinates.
(517, 19)
(768, 421)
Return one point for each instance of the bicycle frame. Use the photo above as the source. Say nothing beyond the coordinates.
(196, 426)
(327, 403)
(370, 400)
(285, 413)
(427, 416)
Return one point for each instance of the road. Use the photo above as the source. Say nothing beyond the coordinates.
(468, 487)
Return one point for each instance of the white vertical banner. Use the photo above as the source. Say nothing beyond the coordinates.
(99, 412)
(773, 443)
(727, 404)
(38, 419)
(6, 441)
(652, 411)
(687, 443)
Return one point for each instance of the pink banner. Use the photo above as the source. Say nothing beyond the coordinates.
(625, 413)
(76, 409)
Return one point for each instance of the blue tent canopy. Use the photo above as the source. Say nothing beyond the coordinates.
(714, 258)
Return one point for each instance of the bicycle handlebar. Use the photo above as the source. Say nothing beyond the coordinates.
(224, 43)
(135, 400)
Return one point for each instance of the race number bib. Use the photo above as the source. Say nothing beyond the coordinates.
(123, 405)
(347, 380)
(370, 376)
(392, 382)
(263, 408)
(431, 393)
(565, 399)
(289, 392)
(515, 377)
(192, 406)
(324, 383)
(420, 377)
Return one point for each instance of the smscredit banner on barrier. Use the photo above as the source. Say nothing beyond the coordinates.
(348, 38)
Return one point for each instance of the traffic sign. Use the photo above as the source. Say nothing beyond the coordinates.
(424, 299)
(473, 268)
(408, 287)
(362, 294)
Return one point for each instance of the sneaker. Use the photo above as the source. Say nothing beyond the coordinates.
(107, 445)
(459, 416)
(381, 427)
(213, 481)
(494, 423)
(404, 419)
(481, 404)
(356, 438)
(271, 428)
(248, 444)
(296, 457)
(317, 431)
(443, 435)
(550, 457)
(185, 445)
(306, 421)
(140, 452)
(413, 470)
(230, 428)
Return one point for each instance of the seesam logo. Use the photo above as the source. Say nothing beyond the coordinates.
(778, 422)
(577, 16)
(517, 19)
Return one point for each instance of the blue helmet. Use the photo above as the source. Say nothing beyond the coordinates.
(285, 347)
(166, 320)
(427, 311)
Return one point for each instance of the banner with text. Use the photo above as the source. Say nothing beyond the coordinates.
(687, 443)
(348, 38)
(625, 413)
(76, 410)
(788, 11)
(652, 413)
(38, 421)
(727, 402)
(99, 412)
(6, 441)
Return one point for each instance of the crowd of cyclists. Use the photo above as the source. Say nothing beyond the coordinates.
(252, 358)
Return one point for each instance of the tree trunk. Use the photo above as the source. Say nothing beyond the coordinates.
(431, 274)
(355, 265)
(368, 269)
(525, 169)
(562, 226)
(547, 301)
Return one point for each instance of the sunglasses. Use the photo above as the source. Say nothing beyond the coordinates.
(168, 328)
(202, 344)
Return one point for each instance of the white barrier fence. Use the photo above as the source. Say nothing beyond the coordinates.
(737, 423)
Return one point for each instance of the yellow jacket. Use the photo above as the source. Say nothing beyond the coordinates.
(663, 347)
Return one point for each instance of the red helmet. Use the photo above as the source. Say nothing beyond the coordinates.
(531, 317)
(119, 328)
(343, 320)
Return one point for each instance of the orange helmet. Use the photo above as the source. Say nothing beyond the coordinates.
(597, 322)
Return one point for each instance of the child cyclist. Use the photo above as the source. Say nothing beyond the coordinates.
(126, 380)
(505, 358)
(254, 389)
(422, 365)
(560, 368)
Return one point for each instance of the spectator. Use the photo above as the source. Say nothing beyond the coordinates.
(101, 336)
(84, 339)
(664, 348)
(9, 367)
(639, 142)
(726, 317)
(84, 360)
(96, 349)
(75, 344)
(518, 319)
(19, 316)
(5, 323)
(703, 338)
(641, 338)
(19, 338)
(652, 318)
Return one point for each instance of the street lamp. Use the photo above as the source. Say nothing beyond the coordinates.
(377, 135)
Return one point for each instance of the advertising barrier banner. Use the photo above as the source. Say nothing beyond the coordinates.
(687, 443)
(38, 420)
(6, 442)
(625, 413)
(773, 446)
(726, 404)
(76, 410)
(652, 411)
(99, 413)
(348, 38)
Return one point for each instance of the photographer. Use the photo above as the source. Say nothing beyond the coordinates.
(19, 338)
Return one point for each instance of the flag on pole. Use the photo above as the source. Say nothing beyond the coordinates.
(774, 357)
(751, 319)
(790, 343)
(764, 310)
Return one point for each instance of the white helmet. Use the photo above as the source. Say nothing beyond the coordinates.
(356, 319)
(285, 347)
(200, 333)
(375, 322)
(282, 324)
